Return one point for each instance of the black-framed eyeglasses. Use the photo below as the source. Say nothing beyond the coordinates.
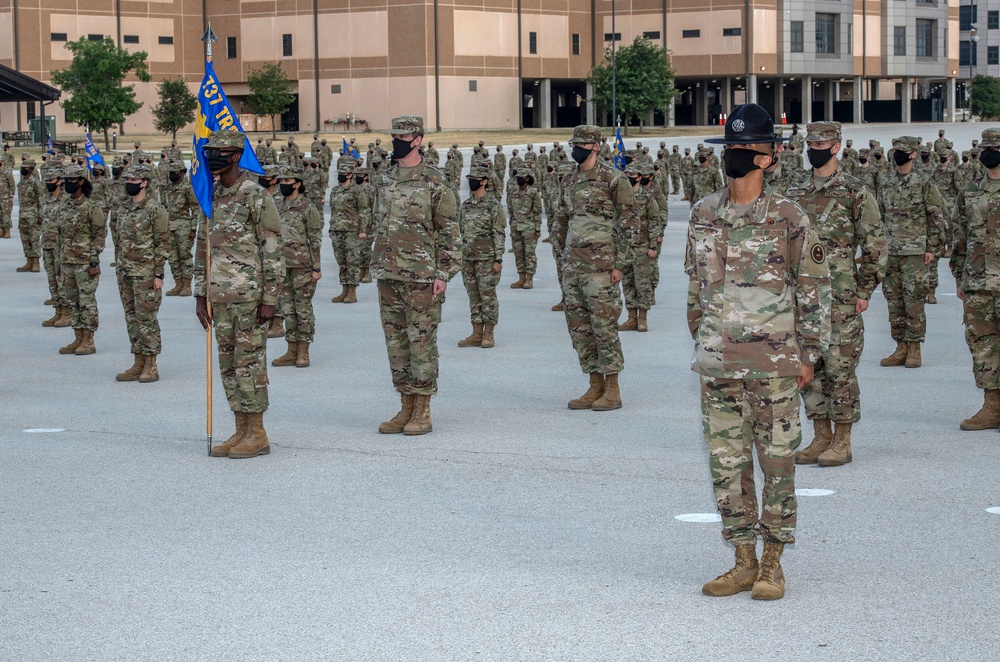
(213, 152)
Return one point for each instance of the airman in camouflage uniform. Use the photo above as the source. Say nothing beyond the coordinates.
(7, 190)
(29, 221)
(914, 223)
(350, 230)
(244, 237)
(777, 178)
(500, 164)
(867, 173)
(755, 346)
(939, 144)
(266, 154)
(552, 226)
(51, 205)
(596, 250)
(301, 235)
(482, 225)
(846, 218)
(705, 179)
(849, 158)
(641, 222)
(949, 182)
(144, 244)
(524, 205)
(515, 163)
(431, 156)
(418, 249)
(688, 165)
(182, 209)
(674, 170)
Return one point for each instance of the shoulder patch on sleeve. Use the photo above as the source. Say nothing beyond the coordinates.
(817, 253)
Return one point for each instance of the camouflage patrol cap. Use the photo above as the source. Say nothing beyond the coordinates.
(701, 145)
(906, 143)
(176, 166)
(50, 172)
(965, 153)
(272, 170)
(454, 145)
(941, 133)
(663, 143)
(531, 146)
(407, 124)
(28, 163)
(478, 172)
(820, 131)
(585, 133)
(98, 166)
(529, 156)
(878, 151)
(948, 144)
(991, 138)
(224, 138)
(704, 151)
(864, 151)
(687, 150)
(291, 172)
(117, 163)
(633, 167)
(926, 149)
(523, 172)
(645, 168)
(345, 168)
(137, 171)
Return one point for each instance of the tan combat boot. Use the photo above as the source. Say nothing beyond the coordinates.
(770, 584)
(150, 373)
(558, 307)
(913, 359)
(632, 323)
(340, 297)
(352, 294)
(71, 348)
(839, 452)
(277, 327)
(185, 288)
(52, 320)
(289, 357)
(741, 577)
(255, 441)
(519, 283)
(475, 339)
(822, 439)
(989, 416)
(366, 275)
(302, 361)
(396, 424)
(593, 394)
(641, 325)
(421, 421)
(26, 267)
(35, 267)
(65, 318)
(176, 289)
(931, 298)
(487, 336)
(529, 281)
(898, 357)
(222, 450)
(87, 345)
(48, 302)
(611, 398)
(132, 374)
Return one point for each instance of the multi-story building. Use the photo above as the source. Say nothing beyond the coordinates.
(467, 64)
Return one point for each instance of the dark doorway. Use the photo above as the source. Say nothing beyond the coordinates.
(290, 120)
(568, 105)
(529, 104)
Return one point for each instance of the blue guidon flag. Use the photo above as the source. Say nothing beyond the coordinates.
(214, 114)
(350, 150)
(93, 155)
(619, 152)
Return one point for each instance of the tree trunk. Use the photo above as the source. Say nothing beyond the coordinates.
(107, 144)
(173, 138)
(273, 128)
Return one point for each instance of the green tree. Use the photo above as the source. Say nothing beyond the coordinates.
(94, 82)
(985, 97)
(176, 107)
(270, 92)
(645, 80)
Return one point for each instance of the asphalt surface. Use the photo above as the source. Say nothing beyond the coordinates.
(517, 530)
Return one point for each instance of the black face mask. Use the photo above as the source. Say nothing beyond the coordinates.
(925, 157)
(739, 162)
(265, 182)
(633, 180)
(117, 172)
(475, 184)
(342, 178)
(878, 157)
(521, 181)
(862, 160)
(72, 187)
(286, 189)
(401, 148)
(580, 154)
(965, 159)
(645, 180)
(702, 159)
(131, 189)
(944, 159)
(217, 162)
(51, 187)
(359, 180)
(176, 177)
(819, 157)
(25, 172)
(990, 158)
(900, 157)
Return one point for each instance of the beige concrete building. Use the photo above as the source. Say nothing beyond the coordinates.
(468, 64)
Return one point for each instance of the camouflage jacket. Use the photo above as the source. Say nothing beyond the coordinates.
(143, 238)
(674, 160)
(7, 185)
(102, 192)
(588, 221)
(975, 257)
(29, 195)
(759, 290)
(656, 191)
(845, 216)
(349, 209)
(432, 156)
(641, 221)
(512, 165)
(417, 236)
(780, 178)
(912, 213)
(181, 204)
(948, 183)
(245, 240)
(81, 232)
(525, 209)
(869, 176)
(51, 209)
(687, 165)
(301, 232)
(483, 227)
(705, 179)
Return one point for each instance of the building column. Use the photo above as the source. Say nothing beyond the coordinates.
(779, 99)
(807, 99)
(828, 99)
(726, 92)
(859, 101)
(752, 88)
(949, 87)
(545, 104)
(701, 103)
(669, 112)
(905, 101)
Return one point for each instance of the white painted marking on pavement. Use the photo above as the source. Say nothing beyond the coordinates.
(810, 491)
(43, 430)
(995, 510)
(700, 518)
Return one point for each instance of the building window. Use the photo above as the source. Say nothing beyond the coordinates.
(335, 89)
(607, 36)
(993, 20)
(165, 41)
(231, 48)
(59, 36)
(899, 40)
(966, 54)
(473, 86)
(130, 38)
(286, 45)
(576, 44)
(690, 34)
(654, 35)
(826, 33)
(95, 37)
(29, 110)
(798, 39)
(533, 43)
(850, 38)
(926, 33)
(993, 55)
(967, 15)
(731, 32)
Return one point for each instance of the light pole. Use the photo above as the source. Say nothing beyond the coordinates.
(973, 40)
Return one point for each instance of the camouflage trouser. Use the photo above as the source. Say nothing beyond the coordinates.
(737, 415)
(637, 280)
(6, 209)
(656, 268)
(981, 314)
(51, 272)
(834, 392)
(592, 305)
(481, 284)
(905, 290)
(557, 251)
(410, 317)
(675, 180)
(366, 251)
(30, 231)
(180, 257)
(242, 355)
(688, 185)
(80, 289)
(141, 303)
(349, 252)
(932, 275)
(524, 244)
(297, 290)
